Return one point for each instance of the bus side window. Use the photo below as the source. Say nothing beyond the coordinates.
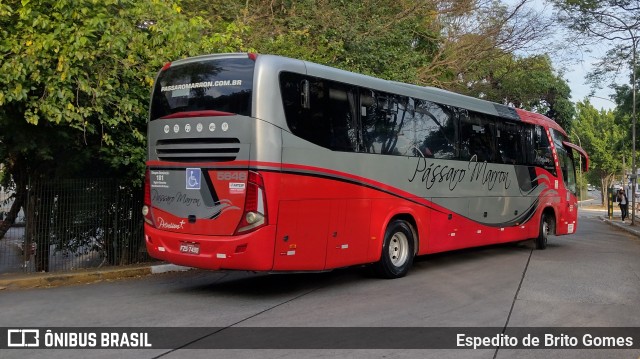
(477, 138)
(435, 129)
(296, 115)
(527, 139)
(510, 143)
(406, 136)
(341, 112)
(387, 123)
(320, 111)
(367, 119)
(309, 123)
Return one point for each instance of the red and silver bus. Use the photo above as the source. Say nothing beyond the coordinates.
(266, 163)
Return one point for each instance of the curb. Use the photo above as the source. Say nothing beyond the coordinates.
(166, 268)
(625, 227)
(48, 280)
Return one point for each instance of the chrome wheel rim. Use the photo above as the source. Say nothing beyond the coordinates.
(398, 249)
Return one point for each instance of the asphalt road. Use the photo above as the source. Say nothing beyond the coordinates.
(591, 279)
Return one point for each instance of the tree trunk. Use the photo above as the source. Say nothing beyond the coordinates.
(18, 201)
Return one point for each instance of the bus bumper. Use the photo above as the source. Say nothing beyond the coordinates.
(252, 251)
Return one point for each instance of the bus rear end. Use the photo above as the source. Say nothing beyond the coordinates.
(205, 205)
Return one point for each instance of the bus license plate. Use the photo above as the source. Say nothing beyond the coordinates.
(191, 248)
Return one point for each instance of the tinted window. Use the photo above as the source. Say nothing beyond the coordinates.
(221, 85)
(568, 169)
(328, 119)
(557, 137)
(543, 156)
(387, 123)
(477, 133)
(510, 137)
(565, 159)
(435, 129)
(337, 105)
(342, 117)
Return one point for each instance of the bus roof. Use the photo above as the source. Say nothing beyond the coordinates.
(538, 119)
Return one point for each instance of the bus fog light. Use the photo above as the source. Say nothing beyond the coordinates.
(145, 210)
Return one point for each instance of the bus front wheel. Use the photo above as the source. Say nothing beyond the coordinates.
(543, 234)
(397, 251)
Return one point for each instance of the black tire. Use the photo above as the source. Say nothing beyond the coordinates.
(398, 251)
(543, 234)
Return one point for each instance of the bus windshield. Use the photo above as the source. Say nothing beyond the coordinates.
(565, 157)
(568, 169)
(204, 85)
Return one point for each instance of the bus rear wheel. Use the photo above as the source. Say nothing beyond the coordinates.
(543, 234)
(397, 251)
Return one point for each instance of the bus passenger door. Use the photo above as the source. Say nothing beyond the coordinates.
(301, 238)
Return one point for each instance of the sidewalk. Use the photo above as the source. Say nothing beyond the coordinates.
(615, 220)
(44, 280)
(625, 226)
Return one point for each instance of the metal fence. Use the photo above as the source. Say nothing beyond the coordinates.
(72, 224)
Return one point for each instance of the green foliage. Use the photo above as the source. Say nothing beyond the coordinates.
(602, 137)
(79, 73)
(613, 25)
(383, 38)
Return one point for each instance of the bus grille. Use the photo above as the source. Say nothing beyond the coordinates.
(198, 149)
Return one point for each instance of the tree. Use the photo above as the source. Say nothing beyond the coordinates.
(602, 137)
(384, 38)
(75, 79)
(618, 23)
(474, 34)
(429, 43)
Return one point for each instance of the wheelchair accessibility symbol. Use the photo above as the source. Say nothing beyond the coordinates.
(193, 178)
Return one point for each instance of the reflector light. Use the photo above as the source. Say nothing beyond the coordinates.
(146, 208)
(147, 188)
(166, 66)
(255, 207)
(241, 248)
